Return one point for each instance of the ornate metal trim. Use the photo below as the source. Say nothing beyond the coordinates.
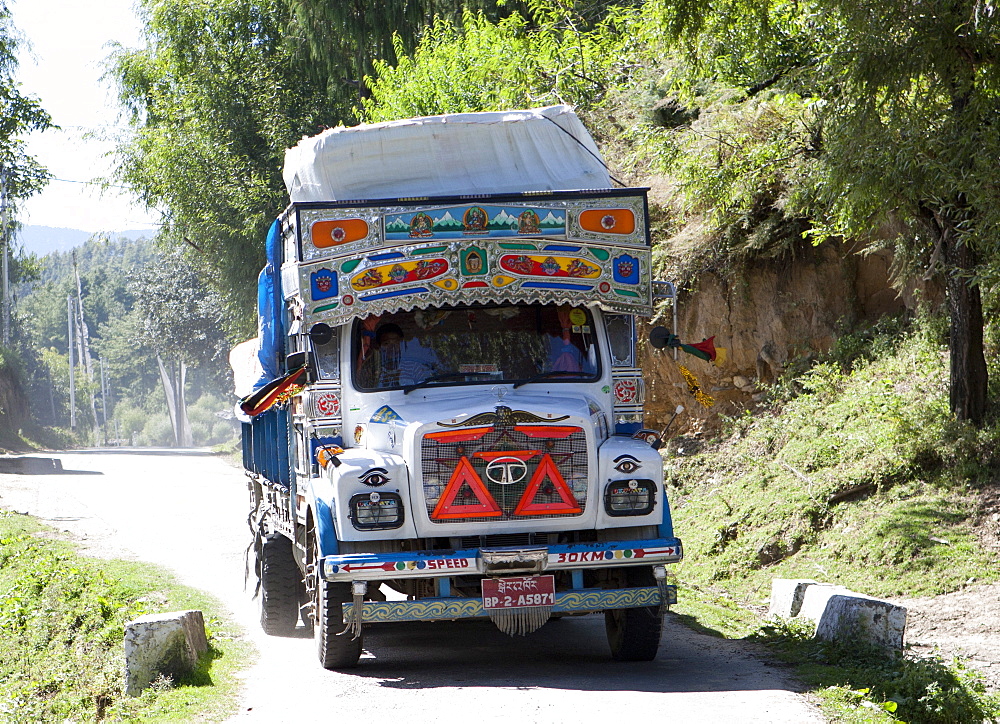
(447, 609)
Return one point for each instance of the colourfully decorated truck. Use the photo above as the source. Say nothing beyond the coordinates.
(443, 410)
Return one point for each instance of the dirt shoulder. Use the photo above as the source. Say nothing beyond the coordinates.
(965, 623)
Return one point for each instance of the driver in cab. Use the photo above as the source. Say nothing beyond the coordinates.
(394, 361)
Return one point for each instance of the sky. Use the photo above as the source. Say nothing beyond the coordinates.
(69, 40)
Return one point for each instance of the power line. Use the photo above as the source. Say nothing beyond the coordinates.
(72, 181)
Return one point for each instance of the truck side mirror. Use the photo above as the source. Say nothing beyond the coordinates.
(659, 336)
(320, 334)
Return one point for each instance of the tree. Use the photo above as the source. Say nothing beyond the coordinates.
(214, 98)
(20, 177)
(480, 64)
(345, 39)
(19, 115)
(181, 321)
(910, 134)
(901, 104)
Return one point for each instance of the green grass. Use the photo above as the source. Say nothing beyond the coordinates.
(861, 479)
(714, 612)
(858, 683)
(856, 475)
(62, 622)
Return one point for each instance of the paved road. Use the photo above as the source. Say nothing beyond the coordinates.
(187, 510)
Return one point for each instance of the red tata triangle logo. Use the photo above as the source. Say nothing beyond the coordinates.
(466, 496)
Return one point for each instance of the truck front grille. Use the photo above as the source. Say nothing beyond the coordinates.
(515, 472)
(505, 539)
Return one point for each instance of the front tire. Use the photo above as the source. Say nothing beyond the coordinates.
(334, 651)
(280, 582)
(634, 633)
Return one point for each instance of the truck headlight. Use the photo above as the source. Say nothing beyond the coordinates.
(630, 497)
(376, 511)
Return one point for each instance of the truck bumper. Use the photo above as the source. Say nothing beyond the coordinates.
(487, 562)
(585, 600)
(475, 561)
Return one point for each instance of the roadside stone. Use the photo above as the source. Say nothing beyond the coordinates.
(162, 643)
(840, 613)
(28, 465)
(870, 619)
(787, 595)
(815, 598)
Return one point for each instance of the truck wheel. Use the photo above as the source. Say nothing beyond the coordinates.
(634, 633)
(279, 586)
(335, 652)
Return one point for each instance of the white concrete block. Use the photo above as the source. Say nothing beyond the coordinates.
(815, 598)
(29, 465)
(869, 619)
(840, 613)
(786, 596)
(162, 643)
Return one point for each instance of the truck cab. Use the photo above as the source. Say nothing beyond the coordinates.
(464, 436)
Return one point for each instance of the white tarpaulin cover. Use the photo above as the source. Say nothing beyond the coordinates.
(541, 149)
(246, 366)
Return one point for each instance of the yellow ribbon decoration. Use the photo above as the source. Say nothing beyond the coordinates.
(289, 394)
(694, 388)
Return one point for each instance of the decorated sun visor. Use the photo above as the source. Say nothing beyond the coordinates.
(562, 247)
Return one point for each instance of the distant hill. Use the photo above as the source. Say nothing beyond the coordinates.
(42, 240)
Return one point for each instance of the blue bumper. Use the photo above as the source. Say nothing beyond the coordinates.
(469, 561)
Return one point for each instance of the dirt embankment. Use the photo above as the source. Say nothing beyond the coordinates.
(774, 314)
(770, 315)
(965, 623)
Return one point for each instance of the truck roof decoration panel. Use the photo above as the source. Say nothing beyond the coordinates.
(499, 249)
(333, 229)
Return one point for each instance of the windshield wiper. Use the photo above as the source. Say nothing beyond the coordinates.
(443, 376)
(546, 375)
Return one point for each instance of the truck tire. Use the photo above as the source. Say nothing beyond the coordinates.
(280, 582)
(634, 633)
(334, 651)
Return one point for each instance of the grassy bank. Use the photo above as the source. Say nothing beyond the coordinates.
(857, 475)
(62, 621)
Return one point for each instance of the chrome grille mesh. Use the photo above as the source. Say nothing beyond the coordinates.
(527, 472)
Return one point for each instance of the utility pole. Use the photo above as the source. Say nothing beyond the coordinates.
(83, 346)
(83, 340)
(104, 401)
(5, 238)
(69, 345)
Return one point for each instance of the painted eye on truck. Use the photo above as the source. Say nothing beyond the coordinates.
(375, 477)
(626, 464)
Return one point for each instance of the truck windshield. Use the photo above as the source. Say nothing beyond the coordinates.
(479, 344)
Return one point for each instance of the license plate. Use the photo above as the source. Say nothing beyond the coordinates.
(519, 592)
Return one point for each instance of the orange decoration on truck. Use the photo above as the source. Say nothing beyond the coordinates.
(608, 221)
(338, 231)
(483, 507)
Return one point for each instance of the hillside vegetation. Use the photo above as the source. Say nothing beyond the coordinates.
(853, 473)
(861, 477)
